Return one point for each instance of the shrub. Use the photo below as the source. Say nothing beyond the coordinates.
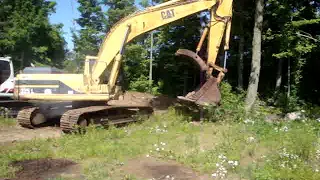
(232, 106)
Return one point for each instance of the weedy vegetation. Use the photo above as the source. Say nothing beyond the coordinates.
(6, 122)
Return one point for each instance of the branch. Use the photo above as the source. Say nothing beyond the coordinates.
(309, 37)
(305, 22)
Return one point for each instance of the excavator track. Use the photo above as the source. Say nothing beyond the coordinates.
(24, 117)
(69, 120)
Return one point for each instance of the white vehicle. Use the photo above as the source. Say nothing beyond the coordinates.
(6, 77)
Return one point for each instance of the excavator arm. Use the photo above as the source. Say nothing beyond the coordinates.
(138, 23)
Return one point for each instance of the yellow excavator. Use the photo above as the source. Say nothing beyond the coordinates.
(92, 91)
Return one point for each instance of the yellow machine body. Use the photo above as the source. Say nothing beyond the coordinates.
(98, 81)
(92, 92)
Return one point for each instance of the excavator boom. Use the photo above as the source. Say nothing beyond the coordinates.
(152, 18)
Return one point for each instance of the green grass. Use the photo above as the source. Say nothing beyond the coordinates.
(7, 122)
(258, 148)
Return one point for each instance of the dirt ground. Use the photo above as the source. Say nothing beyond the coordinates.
(16, 133)
(152, 168)
(131, 97)
(43, 169)
(145, 168)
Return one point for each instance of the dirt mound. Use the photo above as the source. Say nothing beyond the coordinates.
(152, 168)
(42, 169)
(139, 98)
(163, 102)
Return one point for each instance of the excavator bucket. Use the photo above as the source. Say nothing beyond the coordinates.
(208, 93)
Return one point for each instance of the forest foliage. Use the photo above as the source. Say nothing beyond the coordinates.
(27, 35)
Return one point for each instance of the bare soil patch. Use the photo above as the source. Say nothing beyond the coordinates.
(17, 133)
(43, 169)
(149, 167)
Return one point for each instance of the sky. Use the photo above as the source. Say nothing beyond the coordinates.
(66, 12)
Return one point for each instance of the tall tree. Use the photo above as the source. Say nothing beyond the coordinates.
(92, 22)
(242, 30)
(135, 59)
(118, 9)
(289, 40)
(27, 35)
(256, 56)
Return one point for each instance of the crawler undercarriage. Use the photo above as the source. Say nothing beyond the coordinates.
(70, 116)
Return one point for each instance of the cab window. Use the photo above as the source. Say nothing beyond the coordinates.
(4, 71)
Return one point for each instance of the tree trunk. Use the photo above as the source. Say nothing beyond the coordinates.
(279, 75)
(240, 63)
(256, 57)
(22, 60)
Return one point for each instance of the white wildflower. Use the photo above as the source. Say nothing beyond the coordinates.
(147, 155)
(214, 175)
(236, 163)
(221, 156)
(318, 119)
(157, 149)
(285, 129)
(318, 154)
(317, 170)
(250, 139)
(247, 121)
(222, 165)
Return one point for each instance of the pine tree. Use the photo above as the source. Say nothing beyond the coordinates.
(118, 9)
(92, 22)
